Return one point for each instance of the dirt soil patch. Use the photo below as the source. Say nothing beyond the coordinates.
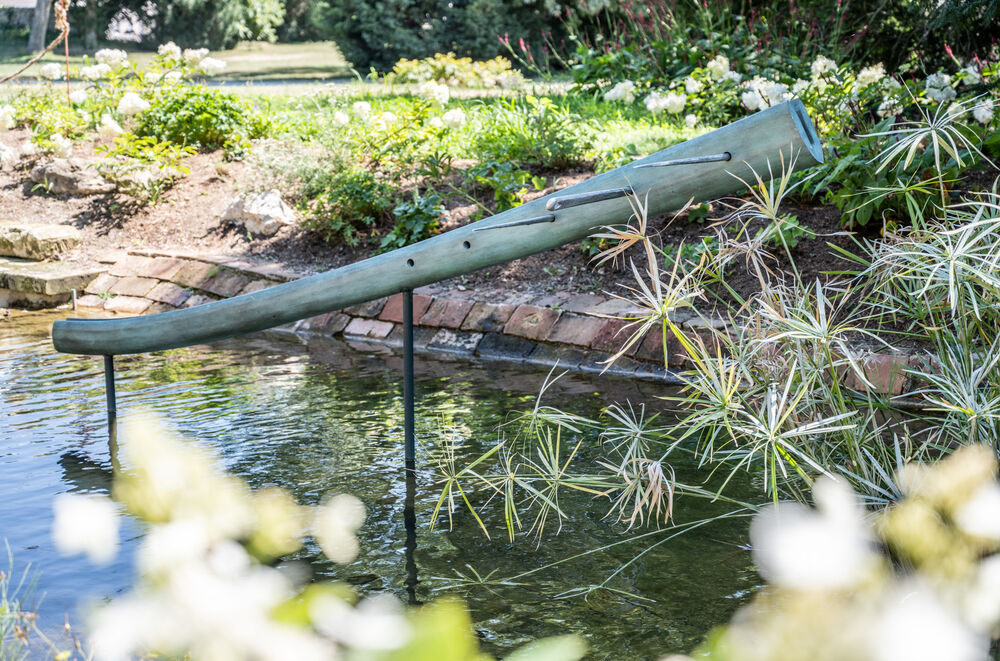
(187, 218)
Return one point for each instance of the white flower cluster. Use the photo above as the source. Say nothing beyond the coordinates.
(211, 66)
(672, 102)
(690, 121)
(169, 51)
(109, 128)
(761, 93)
(623, 91)
(890, 107)
(983, 112)
(96, 71)
(938, 87)
(86, 523)
(6, 117)
(454, 118)
(112, 57)
(132, 104)
(168, 77)
(201, 594)
(78, 96)
(971, 75)
(361, 109)
(870, 75)
(718, 67)
(51, 71)
(692, 85)
(434, 91)
(341, 118)
(821, 66)
(192, 56)
(61, 145)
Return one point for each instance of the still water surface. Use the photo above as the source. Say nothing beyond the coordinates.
(328, 418)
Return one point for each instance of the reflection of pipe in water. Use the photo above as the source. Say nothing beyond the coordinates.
(85, 474)
(410, 548)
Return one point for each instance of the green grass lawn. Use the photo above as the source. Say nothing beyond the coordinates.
(254, 61)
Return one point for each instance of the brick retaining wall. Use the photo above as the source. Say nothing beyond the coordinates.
(576, 331)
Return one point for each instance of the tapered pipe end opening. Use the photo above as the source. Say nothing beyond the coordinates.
(806, 129)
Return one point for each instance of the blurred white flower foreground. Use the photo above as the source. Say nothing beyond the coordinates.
(206, 590)
(918, 581)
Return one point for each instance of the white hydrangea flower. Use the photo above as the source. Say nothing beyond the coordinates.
(210, 66)
(938, 86)
(718, 67)
(752, 100)
(341, 118)
(454, 118)
(822, 65)
(623, 91)
(62, 147)
(733, 76)
(387, 119)
(377, 624)
(96, 71)
(113, 57)
(85, 523)
(434, 91)
(672, 102)
(870, 75)
(435, 122)
(914, 625)
(692, 86)
(362, 109)
(655, 102)
(109, 128)
(972, 76)
(983, 112)
(776, 93)
(335, 524)
(78, 96)
(169, 51)
(690, 121)
(51, 71)
(172, 76)
(890, 107)
(193, 56)
(826, 548)
(800, 86)
(891, 84)
(132, 104)
(6, 118)
(980, 515)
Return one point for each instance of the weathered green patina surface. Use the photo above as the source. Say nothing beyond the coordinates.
(753, 143)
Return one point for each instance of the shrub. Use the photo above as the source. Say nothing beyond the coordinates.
(202, 118)
(143, 167)
(461, 71)
(415, 221)
(532, 130)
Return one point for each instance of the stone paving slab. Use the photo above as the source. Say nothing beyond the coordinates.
(127, 304)
(134, 286)
(45, 278)
(371, 309)
(37, 240)
(487, 317)
(531, 322)
(368, 328)
(102, 284)
(506, 347)
(393, 309)
(226, 283)
(195, 274)
(446, 313)
(169, 293)
(576, 329)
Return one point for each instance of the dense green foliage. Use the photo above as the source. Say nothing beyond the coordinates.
(202, 118)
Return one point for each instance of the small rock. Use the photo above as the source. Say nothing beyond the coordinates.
(263, 214)
(37, 240)
(8, 157)
(71, 176)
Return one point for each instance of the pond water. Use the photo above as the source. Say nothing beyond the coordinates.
(327, 418)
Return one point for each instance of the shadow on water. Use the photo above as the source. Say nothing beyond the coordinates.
(319, 417)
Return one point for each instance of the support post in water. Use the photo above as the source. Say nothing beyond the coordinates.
(109, 391)
(409, 433)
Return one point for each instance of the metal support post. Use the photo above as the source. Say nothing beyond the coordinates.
(408, 416)
(109, 391)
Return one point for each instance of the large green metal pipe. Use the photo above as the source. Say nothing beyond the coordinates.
(752, 142)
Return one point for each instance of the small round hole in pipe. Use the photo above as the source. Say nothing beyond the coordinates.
(729, 156)
(409, 262)
(466, 245)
